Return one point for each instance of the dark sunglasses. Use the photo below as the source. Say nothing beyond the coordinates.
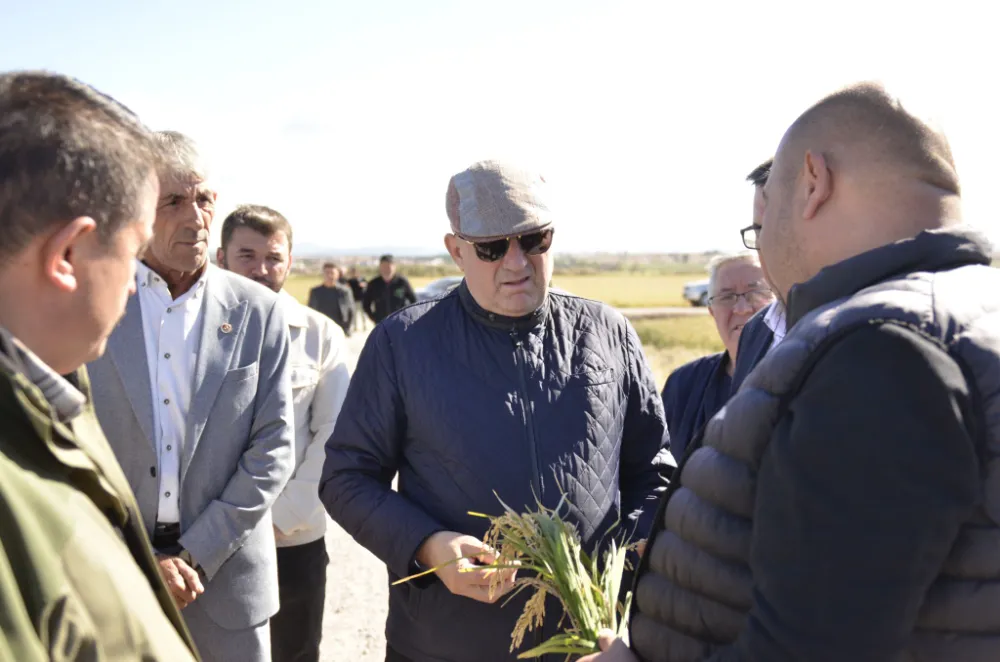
(535, 243)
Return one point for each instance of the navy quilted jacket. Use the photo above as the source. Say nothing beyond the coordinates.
(461, 403)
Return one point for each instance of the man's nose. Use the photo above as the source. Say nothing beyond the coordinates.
(742, 306)
(259, 269)
(515, 259)
(195, 217)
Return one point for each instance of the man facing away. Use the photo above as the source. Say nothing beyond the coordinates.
(195, 396)
(498, 386)
(388, 292)
(257, 243)
(766, 329)
(844, 504)
(695, 391)
(78, 193)
(333, 299)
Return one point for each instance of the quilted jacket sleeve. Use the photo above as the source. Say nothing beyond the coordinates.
(646, 462)
(362, 457)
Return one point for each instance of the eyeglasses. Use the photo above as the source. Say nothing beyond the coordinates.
(750, 235)
(755, 298)
(535, 243)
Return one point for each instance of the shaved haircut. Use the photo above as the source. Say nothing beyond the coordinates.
(864, 127)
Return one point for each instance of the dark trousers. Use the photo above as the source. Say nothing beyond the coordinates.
(393, 656)
(297, 628)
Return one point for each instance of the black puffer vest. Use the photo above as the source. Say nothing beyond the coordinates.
(694, 588)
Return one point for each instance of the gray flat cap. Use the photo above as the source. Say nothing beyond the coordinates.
(490, 200)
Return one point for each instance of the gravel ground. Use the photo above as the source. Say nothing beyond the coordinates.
(356, 600)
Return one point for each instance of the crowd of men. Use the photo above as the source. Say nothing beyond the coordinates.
(352, 300)
(173, 434)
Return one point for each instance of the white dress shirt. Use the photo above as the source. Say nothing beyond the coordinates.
(774, 318)
(320, 377)
(172, 331)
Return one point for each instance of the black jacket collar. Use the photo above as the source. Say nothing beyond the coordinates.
(932, 250)
(497, 321)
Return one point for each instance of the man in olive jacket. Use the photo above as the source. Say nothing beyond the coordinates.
(78, 191)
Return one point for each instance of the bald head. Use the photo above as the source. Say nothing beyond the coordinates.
(855, 171)
(863, 128)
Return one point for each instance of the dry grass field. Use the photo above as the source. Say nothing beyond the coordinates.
(622, 290)
(667, 342)
(673, 341)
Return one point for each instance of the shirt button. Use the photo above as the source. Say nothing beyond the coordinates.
(166, 401)
(170, 310)
(170, 448)
(166, 494)
(167, 355)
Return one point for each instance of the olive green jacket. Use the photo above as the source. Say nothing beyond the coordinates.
(78, 579)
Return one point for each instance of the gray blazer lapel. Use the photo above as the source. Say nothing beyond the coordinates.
(224, 318)
(127, 347)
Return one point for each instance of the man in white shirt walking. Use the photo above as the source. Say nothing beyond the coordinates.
(257, 243)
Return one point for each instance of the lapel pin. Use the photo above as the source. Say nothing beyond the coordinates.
(226, 328)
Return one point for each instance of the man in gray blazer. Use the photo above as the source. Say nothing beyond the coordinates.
(194, 394)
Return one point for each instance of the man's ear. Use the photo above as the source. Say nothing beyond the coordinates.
(451, 243)
(818, 181)
(65, 248)
(220, 257)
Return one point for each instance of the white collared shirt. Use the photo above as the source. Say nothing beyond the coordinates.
(774, 318)
(320, 377)
(172, 331)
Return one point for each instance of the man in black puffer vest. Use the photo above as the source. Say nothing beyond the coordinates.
(845, 504)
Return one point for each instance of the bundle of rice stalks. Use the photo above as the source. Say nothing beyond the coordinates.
(550, 560)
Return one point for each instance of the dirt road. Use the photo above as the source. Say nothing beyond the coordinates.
(356, 591)
(356, 595)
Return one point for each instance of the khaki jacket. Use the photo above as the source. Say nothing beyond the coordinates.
(78, 580)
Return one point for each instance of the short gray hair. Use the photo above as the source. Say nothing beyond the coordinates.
(719, 261)
(181, 157)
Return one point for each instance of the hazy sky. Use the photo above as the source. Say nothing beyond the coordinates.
(645, 116)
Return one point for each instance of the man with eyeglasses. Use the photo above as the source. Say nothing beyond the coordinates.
(695, 391)
(844, 504)
(766, 329)
(500, 388)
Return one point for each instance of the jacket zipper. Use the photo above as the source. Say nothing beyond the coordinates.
(520, 360)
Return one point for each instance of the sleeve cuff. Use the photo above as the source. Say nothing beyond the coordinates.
(412, 567)
(284, 516)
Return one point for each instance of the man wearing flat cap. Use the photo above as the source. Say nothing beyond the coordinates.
(501, 388)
